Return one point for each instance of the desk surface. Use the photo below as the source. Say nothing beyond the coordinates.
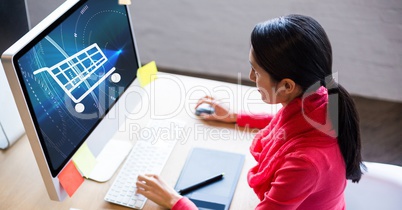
(170, 97)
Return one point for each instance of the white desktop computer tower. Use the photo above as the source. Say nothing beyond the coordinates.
(11, 128)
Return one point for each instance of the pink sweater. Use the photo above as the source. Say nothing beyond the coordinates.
(299, 164)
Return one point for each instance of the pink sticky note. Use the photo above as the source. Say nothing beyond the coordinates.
(70, 178)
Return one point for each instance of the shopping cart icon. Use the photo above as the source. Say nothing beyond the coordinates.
(79, 74)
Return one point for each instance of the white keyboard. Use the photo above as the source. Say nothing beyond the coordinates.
(146, 156)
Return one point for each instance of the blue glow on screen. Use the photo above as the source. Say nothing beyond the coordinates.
(67, 74)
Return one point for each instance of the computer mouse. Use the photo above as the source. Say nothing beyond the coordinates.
(204, 108)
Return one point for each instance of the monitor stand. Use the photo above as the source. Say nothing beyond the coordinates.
(109, 159)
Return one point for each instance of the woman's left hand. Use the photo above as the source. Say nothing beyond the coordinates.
(155, 189)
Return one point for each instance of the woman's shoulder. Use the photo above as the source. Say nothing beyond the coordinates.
(322, 159)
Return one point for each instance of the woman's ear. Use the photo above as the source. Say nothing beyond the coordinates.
(287, 86)
(287, 90)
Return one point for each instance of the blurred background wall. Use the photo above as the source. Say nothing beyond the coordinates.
(212, 37)
(13, 22)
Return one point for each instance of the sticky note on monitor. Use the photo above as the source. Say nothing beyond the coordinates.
(84, 160)
(147, 73)
(70, 178)
(125, 2)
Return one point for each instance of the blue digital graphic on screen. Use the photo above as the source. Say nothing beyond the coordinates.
(76, 72)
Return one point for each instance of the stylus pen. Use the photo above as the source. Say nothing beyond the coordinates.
(201, 184)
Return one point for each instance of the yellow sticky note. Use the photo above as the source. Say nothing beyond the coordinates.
(125, 2)
(84, 160)
(147, 73)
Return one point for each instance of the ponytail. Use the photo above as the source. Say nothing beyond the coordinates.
(345, 120)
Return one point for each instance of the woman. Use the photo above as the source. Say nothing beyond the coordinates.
(303, 154)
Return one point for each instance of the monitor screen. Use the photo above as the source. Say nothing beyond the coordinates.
(73, 72)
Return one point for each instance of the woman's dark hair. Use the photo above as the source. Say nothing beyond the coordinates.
(297, 47)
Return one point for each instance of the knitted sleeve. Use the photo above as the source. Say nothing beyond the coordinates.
(184, 204)
(253, 120)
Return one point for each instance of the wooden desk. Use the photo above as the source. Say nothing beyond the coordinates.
(170, 96)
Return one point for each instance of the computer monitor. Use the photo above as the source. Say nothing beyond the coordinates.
(67, 75)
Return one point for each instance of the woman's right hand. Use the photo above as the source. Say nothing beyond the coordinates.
(155, 189)
(221, 113)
